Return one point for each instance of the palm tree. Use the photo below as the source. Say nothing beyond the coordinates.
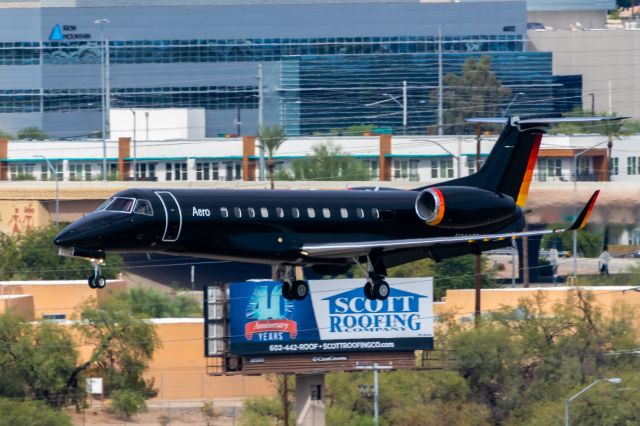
(271, 139)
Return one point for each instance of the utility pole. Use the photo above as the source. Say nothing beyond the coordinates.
(146, 118)
(261, 175)
(105, 103)
(525, 261)
(440, 93)
(478, 257)
(404, 107)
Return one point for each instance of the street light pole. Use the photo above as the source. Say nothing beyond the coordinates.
(103, 84)
(404, 107)
(613, 380)
(261, 162)
(376, 394)
(55, 174)
(135, 156)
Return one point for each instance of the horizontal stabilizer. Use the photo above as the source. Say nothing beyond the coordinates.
(583, 217)
(516, 120)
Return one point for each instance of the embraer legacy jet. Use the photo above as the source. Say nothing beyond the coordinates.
(327, 230)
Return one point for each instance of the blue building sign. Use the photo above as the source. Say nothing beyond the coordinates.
(336, 317)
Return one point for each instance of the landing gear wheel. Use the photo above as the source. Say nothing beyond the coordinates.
(299, 289)
(380, 290)
(368, 291)
(90, 281)
(100, 282)
(287, 290)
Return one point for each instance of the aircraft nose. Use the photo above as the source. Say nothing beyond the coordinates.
(65, 238)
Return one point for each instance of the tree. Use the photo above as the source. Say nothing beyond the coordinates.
(329, 162)
(30, 413)
(151, 303)
(32, 256)
(6, 135)
(32, 132)
(271, 139)
(123, 347)
(475, 92)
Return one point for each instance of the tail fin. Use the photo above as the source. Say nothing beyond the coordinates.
(509, 167)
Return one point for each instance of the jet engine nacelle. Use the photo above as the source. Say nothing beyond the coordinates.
(462, 206)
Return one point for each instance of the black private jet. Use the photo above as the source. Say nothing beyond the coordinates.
(328, 230)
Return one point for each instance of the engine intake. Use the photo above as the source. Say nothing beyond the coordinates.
(462, 207)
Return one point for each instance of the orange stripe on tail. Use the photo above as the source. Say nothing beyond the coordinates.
(526, 181)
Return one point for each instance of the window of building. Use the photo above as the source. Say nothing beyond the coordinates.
(237, 212)
(176, 171)
(22, 171)
(549, 168)
(584, 166)
(326, 213)
(264, 212)
(344, 213)
(295, 212)
(203, 171)
(145, 171)
(79, 171)
(442, 168)
(251, 212)
(613, 166)
(374, 170)
(311, 212)
(224, 212)
(632, 166)
(471, 164)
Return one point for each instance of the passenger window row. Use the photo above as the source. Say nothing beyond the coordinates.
(295, 213)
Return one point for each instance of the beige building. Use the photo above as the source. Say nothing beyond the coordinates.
(608, 60)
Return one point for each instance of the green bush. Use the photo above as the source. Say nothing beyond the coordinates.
(30, 413)
(126, 403)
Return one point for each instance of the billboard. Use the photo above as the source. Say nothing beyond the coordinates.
(335, 317)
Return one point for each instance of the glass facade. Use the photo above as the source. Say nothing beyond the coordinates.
(323, 83)
(325, 93)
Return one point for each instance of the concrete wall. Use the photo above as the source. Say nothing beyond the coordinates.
(609, 62)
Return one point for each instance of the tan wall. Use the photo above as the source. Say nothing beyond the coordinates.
(462, 302)
(17, 217)
(21, 305)
(179, 367)
(59, 297)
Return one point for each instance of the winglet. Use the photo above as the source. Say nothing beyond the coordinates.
(582, 219)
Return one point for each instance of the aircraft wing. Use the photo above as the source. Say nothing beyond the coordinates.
(352, 249)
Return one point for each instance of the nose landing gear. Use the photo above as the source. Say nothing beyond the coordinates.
(96, 279)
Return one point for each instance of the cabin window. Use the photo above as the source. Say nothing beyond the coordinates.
(326, 213)
(311, 212)
(360, 213)
(375, 213)
(237, 212)
(279, 212)
(143, 207)
(251, 212)
(264, 212)
(344, 213)
(295, 212)
(120, 205)
(224, 212)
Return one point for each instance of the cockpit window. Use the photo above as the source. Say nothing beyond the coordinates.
(121, 205)
(143, 207)
(104, 205)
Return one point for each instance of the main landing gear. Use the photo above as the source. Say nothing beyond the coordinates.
(376, 288)
(292, 289)
(96, 279)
